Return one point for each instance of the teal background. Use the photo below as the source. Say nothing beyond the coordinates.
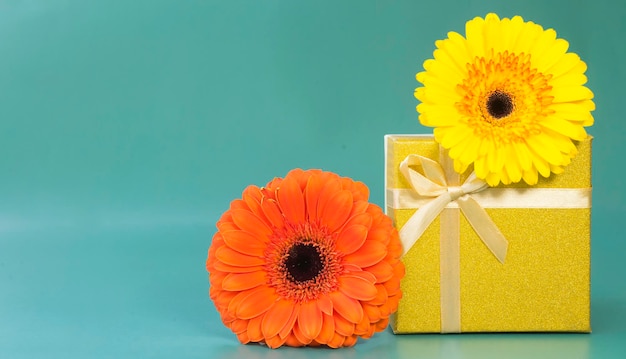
(126, 127)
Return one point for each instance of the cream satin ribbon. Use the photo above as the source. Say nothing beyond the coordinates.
(436, 191)
(441, 185)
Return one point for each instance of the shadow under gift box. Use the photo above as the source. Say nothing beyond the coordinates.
(543, 284)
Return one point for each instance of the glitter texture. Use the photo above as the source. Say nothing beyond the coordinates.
(544, 284)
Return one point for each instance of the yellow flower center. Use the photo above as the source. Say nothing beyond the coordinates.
(503, 98)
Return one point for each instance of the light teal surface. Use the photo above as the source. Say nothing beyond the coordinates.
(127, 126)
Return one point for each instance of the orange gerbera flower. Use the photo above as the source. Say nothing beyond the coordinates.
(305, 260)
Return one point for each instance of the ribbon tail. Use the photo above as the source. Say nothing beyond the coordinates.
(420, 220)
(484, 227)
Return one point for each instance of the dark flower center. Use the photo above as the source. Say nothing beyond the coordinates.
(303, 262)
(499, 104)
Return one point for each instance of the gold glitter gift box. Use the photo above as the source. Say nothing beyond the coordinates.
(540, 283)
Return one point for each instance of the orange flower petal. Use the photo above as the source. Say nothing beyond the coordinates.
(291, 200)
(295, 310)
(328, 329)
(359, 207)
(236, 301)
(399, 270)
(243, 337)
(351, 239)
(221, 298)
(372, 312)
(356, 287)
(380, 219)
(335, 211)
(275, 342)
(350, 341)
(238, 326)
(382, 270)
(362, 327)
(253, 197)
(242, 281)
(392, 286)
(325, 304)
(292, 341)
(359, 189)
(250, 223)
(234, 258)
(223, 267)
(252, 193)
(299, 335)
(348, 307)
(227, 318)
(239, 204)
(272, 213)
(254, 329)
(310, 319)
(381, 296)
(343, 326)
(311, 193)
(364, 219)
(365, 275)
(256, 303)
(394, 249)
(276, 318)
(227, 225)
(216, 275)
(379, 234)
(386, 309)
(382, 324)
(370, 331)
(370, 253)
(244, 242)
(271, 185)
(331, 186)
(349, 267)
(302, 176)
(363, 190)
(337, 341)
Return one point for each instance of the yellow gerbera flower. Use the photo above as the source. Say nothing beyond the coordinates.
(507, 98)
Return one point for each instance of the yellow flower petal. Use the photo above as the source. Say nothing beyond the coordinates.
(471, 150)
(493, 179)
(571, 93)
(531, 177)
(460, 167)
(512, 166)
(495, 161)
(480, 167)
(540, 163)
(450, 136)
(573, 111)
(542, 146)
(475, 36)
(569, 79)
(565, 127)
(527, 37)
(524, 158)
(567, 63)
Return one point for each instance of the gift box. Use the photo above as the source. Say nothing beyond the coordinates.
(510, 258)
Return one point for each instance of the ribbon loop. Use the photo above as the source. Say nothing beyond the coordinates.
(433, 183)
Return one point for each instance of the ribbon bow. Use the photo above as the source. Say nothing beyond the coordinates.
(433, 183)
